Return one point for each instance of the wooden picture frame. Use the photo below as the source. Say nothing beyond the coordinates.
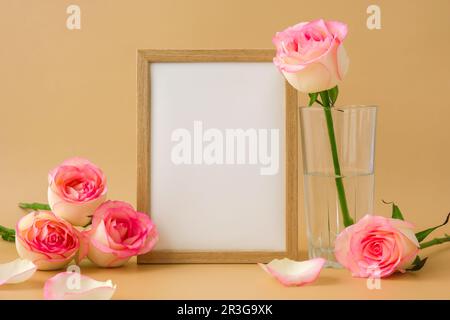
(144, 60)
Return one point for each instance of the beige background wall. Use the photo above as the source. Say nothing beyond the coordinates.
(65, 93)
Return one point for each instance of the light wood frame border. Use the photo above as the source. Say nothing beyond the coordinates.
(144, 59)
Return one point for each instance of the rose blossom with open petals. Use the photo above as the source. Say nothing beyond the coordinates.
(119, 232)
(76, 188)
(311, 55)
(376, 246)
(47, 240)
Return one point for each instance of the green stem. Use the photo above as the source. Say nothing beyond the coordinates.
(347, 219)
(435, 241)
(34, 206)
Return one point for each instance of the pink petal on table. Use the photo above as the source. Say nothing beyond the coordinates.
(16, 271)
(294, 273)
(66, 286)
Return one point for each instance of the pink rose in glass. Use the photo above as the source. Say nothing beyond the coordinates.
(311, 55)
(119, 232)
(376, 246)
(47, 240)
(76, 188)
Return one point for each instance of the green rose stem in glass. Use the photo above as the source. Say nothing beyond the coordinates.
(328, 98)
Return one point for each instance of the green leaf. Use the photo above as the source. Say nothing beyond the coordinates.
(333, 94)
(423, 234)
(417, 264)
(312, 98)
(396, 213)
(7, 230)
(7, 234)
(8, 237)
(34, 206)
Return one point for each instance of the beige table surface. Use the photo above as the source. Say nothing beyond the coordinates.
(245, 281)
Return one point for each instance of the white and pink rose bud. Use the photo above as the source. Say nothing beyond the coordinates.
(119, 232)
(76, 188)
(377, 246)
(48, 241)
(311, 55)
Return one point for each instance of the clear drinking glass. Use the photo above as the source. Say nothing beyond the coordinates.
(354, 129)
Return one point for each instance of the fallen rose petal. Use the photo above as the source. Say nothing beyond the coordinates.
(63, 286)
(16, 271)
(294, 273)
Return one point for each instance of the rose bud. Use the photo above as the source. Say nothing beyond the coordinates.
(47, 240)
(76, 188)
(376, 246)
(119, 232)
(311, 55)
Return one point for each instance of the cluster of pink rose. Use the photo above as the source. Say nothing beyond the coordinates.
(82, 222)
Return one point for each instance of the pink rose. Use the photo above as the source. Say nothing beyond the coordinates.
(311, 55)
(376, 246)
(119, 232)
(76, 188)
(47, 240)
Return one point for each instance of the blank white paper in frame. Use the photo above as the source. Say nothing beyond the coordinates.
(202, 199)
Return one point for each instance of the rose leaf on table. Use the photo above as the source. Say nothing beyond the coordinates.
(7, 234)
(417, 264)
